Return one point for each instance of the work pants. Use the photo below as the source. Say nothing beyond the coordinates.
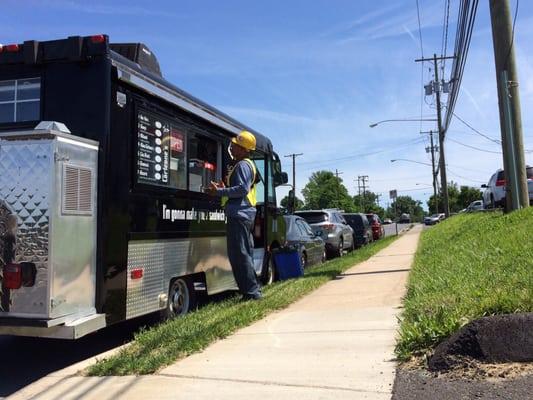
(240, 253)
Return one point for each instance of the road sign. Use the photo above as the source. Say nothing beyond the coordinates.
(392, 194)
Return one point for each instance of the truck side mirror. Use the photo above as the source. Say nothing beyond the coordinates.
(280, 178)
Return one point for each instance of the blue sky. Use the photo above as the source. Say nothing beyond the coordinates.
(312, 75)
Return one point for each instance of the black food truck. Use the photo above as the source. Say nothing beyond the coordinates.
(103, 216)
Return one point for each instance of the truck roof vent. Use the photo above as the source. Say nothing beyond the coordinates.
(140, 54)
(53, 126)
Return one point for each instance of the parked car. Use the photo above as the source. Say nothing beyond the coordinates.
(432, 219)
(311, 248)
(332, 227)
(405, 219)
(378, 231)
(495, 190)
(362, 231)
(387, 221)
(494, 194)
(475, 206)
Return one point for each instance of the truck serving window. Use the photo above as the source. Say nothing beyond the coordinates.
(204, 162)
(20, 100)
(161, 151)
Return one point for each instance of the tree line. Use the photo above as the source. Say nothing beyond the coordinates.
(326, 190)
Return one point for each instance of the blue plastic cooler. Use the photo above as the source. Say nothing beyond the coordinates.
(288, 264)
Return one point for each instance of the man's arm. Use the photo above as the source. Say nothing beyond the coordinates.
(242, 176)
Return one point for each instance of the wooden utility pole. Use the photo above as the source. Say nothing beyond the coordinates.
(434, 174)
(294, 169)
(509, 105)
(442, 160)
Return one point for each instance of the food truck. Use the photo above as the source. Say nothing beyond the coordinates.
(103, 214)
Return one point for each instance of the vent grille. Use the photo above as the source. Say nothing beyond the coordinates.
(77, 191)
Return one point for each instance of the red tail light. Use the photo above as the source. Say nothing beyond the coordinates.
(98, 38)
(12, 276)
(500, 182)
(137, 273)
(11, 48)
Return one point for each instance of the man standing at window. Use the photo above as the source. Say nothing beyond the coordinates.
(239, 199)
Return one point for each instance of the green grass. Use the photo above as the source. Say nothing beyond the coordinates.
(163, 344)
(467, 267)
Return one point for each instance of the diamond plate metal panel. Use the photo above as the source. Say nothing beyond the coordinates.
(25, 194)
(163, 260)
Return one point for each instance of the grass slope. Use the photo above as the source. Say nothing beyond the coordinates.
(162, 345)
(467, 267)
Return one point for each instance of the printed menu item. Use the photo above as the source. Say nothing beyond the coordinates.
(153, 149)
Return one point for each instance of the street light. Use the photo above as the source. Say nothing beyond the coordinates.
(413, 161)
(402, 120)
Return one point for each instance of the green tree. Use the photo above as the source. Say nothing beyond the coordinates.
(458, 197)
(298, 204)
(325, 190)
(407, 205)
(368, 204)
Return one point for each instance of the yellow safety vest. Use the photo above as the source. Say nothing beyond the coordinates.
(251, 196)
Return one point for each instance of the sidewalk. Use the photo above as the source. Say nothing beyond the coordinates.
(336, 343)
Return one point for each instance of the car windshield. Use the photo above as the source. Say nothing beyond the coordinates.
(435, 216)
(313, 217)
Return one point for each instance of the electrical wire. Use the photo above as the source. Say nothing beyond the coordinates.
(474, 148)
(476, 131)
(465, 26)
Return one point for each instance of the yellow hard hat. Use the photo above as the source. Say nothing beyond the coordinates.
(245, 139)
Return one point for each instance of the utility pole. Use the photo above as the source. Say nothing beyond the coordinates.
(363, 179)
(432, 148)
(294, 169)
(337, 173)
(442, 160)
(509, 105)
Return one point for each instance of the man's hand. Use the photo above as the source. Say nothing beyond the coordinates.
(213, 187)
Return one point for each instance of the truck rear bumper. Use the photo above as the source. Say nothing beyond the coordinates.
(59, 328)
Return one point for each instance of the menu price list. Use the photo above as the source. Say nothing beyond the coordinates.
(153, 150)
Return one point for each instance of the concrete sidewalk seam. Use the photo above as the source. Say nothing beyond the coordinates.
(269, 383)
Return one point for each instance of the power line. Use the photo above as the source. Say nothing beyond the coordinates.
(475, 148)
(475, 130)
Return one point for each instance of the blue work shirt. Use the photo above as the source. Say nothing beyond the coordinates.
(241, 181)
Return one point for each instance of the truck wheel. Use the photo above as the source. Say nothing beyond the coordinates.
(181, 299)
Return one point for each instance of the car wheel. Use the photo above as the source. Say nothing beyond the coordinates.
(324, 256)
(492, 202)
(303, 260)
(268, 275)
(340, 250)
(181, 299)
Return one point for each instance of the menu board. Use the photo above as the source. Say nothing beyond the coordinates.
(153, 149)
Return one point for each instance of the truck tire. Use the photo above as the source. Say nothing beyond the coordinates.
(181, 299)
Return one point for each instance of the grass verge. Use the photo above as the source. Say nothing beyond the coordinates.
(162, 345)
(467, 267)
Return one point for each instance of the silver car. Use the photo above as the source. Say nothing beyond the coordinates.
(332, 227)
